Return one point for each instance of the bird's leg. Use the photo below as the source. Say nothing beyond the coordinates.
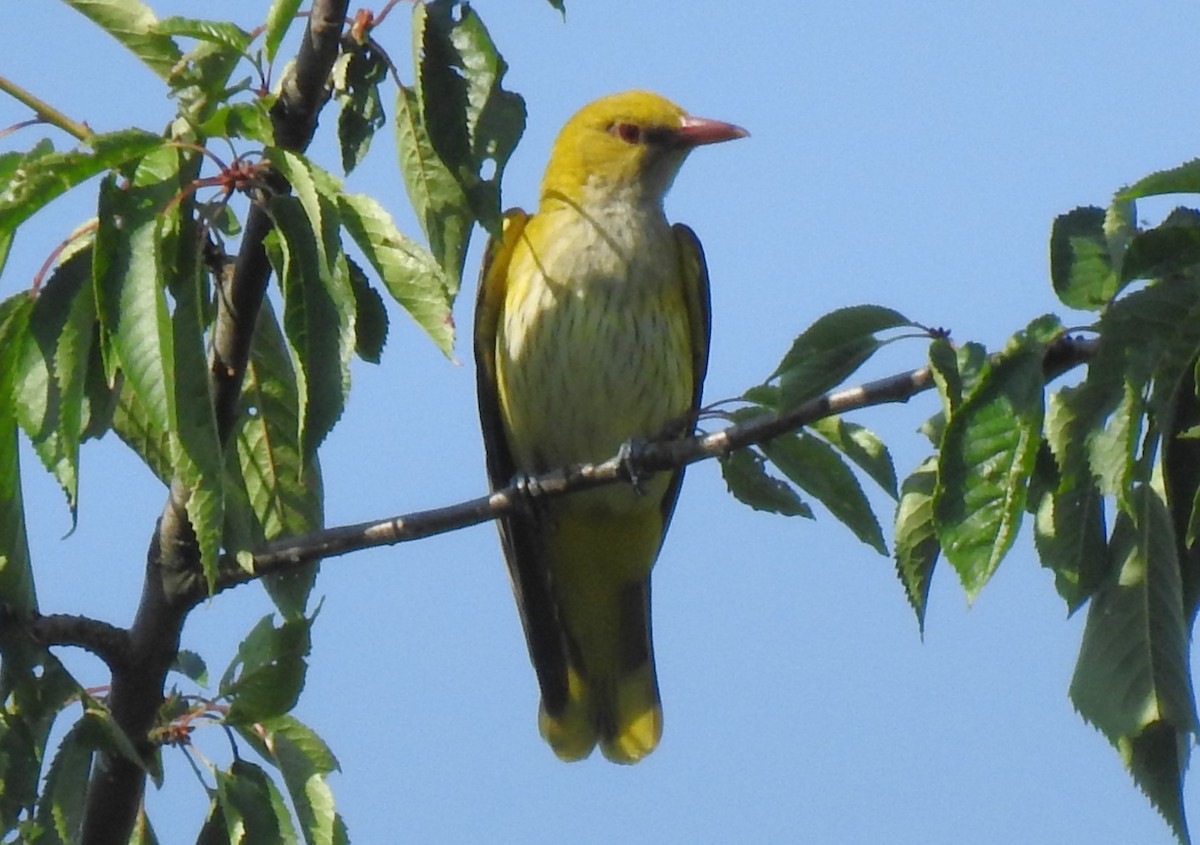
(530, 496)
(631, 457)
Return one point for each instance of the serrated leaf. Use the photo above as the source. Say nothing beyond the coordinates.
(304, 760)
(132, 24)
(460, 113)
(139, 432)
(34, 689)
(60, 808)
(16, 573)
(1171, 247)
(988, 452)
(191, 665)
(279, 19)
(282, 490)
(916, 546)
(1069, 529)
(224, 33)
(253, 808)
(195, 443)
(43, 176)
(831, 349)
(1080, 266)
(266, 676)
(861, 446)
(1132, 674)
(746, 477)
(815, 467)
(1184, 179)
(437, 198)
(358, 75)
(409, 273)
(318, 313)
(54, 368)
(251, 121)
(371, 319)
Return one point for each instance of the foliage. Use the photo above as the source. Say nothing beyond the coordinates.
(117, 338)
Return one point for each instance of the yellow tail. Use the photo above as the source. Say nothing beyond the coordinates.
(601, 577)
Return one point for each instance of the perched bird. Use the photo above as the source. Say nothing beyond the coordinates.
(592, 328)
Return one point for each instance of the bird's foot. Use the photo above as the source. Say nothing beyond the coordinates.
(631, 457)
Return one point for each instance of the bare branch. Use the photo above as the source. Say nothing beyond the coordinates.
(657, 456)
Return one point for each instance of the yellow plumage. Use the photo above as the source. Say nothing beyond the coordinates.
(592, 328)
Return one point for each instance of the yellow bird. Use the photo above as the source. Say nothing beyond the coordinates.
(592, 328)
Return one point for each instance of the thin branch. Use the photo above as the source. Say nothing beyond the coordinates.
(657, 456)
(45, 112)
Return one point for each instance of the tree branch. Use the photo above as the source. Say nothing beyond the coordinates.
(661, 455)
(117, 784)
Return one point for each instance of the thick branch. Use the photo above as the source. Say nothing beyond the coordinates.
(116, 788)
(108, 642)
(657, 456)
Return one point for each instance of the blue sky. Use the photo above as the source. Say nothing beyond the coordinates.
(906, 154)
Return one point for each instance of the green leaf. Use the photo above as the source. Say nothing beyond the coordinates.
(747, 479)
(267, 674)
(409, 273)
(357, 76)
(60, 808)
(469, 118)
(988, 452)
(282, 490)
(862, 447)
(133, 25)
(16, 573)
(43, 176)
(1069, 529)
(1171, 247)
(816, 468)
(304, 760)
(436, 196)
(1080, 266)
(1184, 179)
(370, 316)
(34, 689)
(149, 441)
(226, 34)
(1181, 481)
(916, 545)
(251, 121)
(831, 349)
(54, 367)
(191, 665)
(318, 304)
(253, 808)
(1132, 678)
(129, 294)
(279, 19)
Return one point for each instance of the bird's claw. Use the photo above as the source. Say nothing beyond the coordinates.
(529, 493)
(630, 455)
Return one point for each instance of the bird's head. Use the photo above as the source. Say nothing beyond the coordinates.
(627, 146)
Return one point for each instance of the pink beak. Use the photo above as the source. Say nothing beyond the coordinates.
(694, 131)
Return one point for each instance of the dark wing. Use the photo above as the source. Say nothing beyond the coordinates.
(694, 274)
(519, 533)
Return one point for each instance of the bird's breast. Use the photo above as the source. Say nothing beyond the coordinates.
(593, 346)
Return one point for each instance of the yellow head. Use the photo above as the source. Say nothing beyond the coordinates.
(626, 145)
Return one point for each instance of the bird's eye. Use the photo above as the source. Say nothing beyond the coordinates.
(627, 132)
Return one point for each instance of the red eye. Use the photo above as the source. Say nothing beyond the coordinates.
(627, 132)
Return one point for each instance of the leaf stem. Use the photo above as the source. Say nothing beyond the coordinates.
(46, 112)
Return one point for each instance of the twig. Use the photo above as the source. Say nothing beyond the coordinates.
(45, 112)
(656, 456)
